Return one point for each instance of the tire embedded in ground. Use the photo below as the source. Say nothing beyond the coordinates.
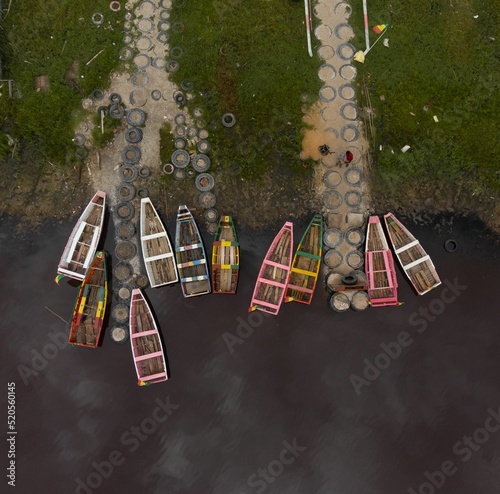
(125, 230)
(228, 120)
(142, 192)
(131, 154)
(119, 334)
(141, 281)
(120, 313)
(207, 200)
(359, 300)
(355, 236)
(339, 302)
(353, 176)
(355, 259)
(125, 192)
(144, 171)
(133, 135)
(333, 258)
(180, 158)
(125, 250)
(211, 214)
(204, 182)
(136, 117)
(201, 163)
(125, 211)
(123, 271)
(168, 168)
(332, 237)
(127, 172)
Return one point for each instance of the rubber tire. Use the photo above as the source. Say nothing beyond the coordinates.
(130, 192)
(349, 280)
(127, 173)
(81, 153)
(207, 187)
(142, 117)
(128, 230)
(450, 245)
(125, 205)
(135, 159)
(144, 171)
(115, 99)
(133, 135)
(180, 163)
(142, 192)
(116, 111)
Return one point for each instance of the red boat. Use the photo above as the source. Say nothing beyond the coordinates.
(88, 316)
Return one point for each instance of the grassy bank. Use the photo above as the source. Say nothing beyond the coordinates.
(443, 62)
(56, 39)
(247, 58)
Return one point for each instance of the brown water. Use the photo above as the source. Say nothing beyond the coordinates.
(234, 415)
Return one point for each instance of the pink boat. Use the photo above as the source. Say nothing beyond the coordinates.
(147, 350)
(82, 244)
(379, 267)
(273, 276)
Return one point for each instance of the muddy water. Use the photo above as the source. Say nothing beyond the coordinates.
(274, 410)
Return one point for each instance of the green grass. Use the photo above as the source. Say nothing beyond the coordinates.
(55, 38)
(441, 61)
(248, 58)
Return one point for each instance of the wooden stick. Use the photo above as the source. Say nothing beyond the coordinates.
(57, 315)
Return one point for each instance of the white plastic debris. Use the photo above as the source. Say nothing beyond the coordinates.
(386, 42)
(436, 119)
(405, 148)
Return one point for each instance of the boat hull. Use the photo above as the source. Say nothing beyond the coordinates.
(82, 243)
(379, 267)
(415, 262)
(225, 257)
(147, 350)
(273, 275)
(157, 252)
(306, 264)
(190, 255)
(90, 306)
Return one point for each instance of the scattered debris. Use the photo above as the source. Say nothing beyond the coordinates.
(435, 118)
(405, 148)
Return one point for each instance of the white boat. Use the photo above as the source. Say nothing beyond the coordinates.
(82, 243)
(415, 262)
(190, 254)
(157, 251)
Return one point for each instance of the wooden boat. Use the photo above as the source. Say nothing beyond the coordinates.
(415, 262)
(147, 350)
(273, 276)
(379, 267)
(305, 265)
(90, 305)
(157, 250)
(82, 243)
(190, 255)
(225, 257)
